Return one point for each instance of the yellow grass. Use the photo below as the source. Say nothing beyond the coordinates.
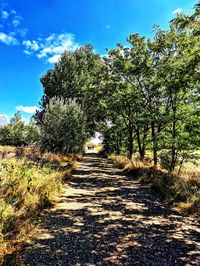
(29, 181)
(181, 189)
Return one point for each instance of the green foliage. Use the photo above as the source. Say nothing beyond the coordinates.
(17, 133)
(152, 88)
(75, 77)
(7, 216)
(142, 96)
(115, 137)
(63, 126)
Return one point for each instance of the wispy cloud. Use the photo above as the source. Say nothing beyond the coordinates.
(51, 47)
(8, 39)
(16, 21)
(177, 11)
(3, 119)
(4, 14)
(11, 30)
(108, 27)
(27, 109)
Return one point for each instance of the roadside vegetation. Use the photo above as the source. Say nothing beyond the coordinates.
(153, 109)
(143, 97)
(30, 180)
(181, 189)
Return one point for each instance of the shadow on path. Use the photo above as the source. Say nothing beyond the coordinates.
(105, 219)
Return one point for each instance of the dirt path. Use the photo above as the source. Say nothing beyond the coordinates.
(105, 218)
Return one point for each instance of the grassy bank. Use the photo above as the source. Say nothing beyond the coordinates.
(29, 181)
(180, 189)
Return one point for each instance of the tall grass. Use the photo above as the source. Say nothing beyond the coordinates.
(181, 189)
(29, 181)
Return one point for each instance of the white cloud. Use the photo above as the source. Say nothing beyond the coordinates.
(31, 45)
(27, 109)
(13, 12)
(22, 31)
(10, 26)
(54, 59)
(3, 119)
(16, 22)
(8, 39)
(4, 14)
(27, 52)
(177, 11)
(104, 56)
(3, 116)
(51, 47)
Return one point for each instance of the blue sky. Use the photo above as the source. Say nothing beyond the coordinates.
(33, 34)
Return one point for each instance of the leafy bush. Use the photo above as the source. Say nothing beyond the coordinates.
(63, 127)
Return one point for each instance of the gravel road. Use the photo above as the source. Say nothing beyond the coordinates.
(107, 218)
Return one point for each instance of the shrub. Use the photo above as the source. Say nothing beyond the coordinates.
(63, 127)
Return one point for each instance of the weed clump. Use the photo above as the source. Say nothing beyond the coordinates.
(180, 188)
(29, 181)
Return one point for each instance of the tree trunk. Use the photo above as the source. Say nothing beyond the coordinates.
(142, 154)
(117, 146)
(141, 147)
(155, 144)
(130, 144)
(119, 142)
(173, 159)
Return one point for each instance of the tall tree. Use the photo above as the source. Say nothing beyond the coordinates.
(127, 80)
(75, 77)
(178, 67)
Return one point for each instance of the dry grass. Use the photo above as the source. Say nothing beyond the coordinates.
(29, 181)
(181, 190)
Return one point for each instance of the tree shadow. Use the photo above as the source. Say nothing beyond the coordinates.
(108, 220)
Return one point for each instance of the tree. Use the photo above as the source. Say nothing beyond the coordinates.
(17, 133)
(154, 84)
(75, 77)
(127, 80)
(13, 133)
(178, 67)
(63, 127)
(32, 133)
(114, 136)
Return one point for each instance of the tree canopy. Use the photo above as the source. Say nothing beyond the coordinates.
(141, 96)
